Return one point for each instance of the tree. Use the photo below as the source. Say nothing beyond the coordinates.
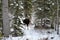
(1, 18)
(17, 11)
(27, 7)
(6, 26)
(57, 17)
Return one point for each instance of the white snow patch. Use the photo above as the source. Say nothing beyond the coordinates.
(33, 34)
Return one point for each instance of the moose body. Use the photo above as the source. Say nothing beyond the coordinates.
(26, 21)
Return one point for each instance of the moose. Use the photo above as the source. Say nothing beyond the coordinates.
(26, 21)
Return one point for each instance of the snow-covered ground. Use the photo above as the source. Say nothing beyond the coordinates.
(35, 34)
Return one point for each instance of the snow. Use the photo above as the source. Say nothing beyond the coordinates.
(33, 34)
(39, 8)
(11, 29)
(52, 3)
(11, 4)
(16, 4)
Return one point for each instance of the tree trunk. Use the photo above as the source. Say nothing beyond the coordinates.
(57, 17)
(6, 26)
(41, 22)
(55, 24)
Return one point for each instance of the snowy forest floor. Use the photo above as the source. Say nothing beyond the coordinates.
(36, 34)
